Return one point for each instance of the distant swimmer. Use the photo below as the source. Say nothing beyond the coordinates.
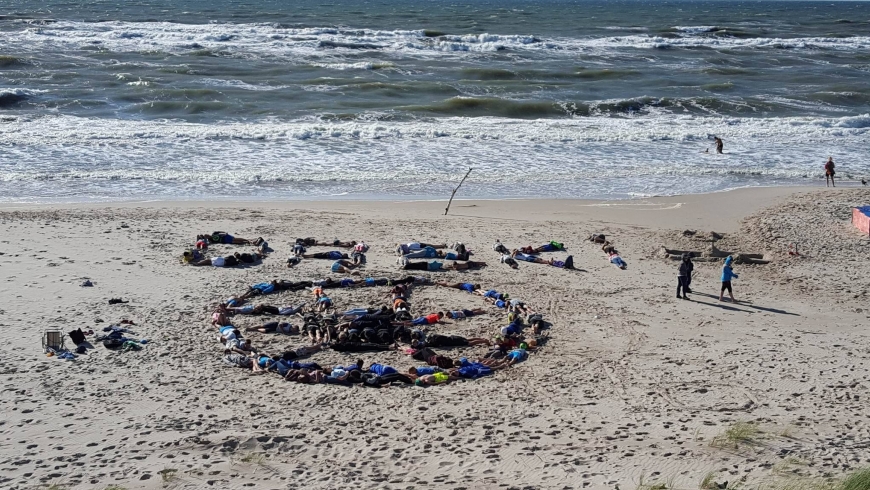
(719, 144)
(863, 182)
(829, 172)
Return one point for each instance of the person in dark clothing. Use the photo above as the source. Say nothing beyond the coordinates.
(684, 276)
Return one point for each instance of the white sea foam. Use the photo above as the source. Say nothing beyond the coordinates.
(66, 157)
(302, 44)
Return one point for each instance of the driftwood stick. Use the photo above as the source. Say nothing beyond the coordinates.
(454, 191)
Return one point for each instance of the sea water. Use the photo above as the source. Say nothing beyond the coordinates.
(263, 99)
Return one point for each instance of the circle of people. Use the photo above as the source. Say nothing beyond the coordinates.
(391, 327)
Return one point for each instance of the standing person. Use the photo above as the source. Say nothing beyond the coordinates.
(727, 275)
(718, 141)
(684, 276)
(829, 172)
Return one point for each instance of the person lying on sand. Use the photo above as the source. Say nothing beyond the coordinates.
(435, 379)
(491, 293)
(240, 346)
(597, 238)
(431, 358)
(438, 340)
(616, 260)
(428, 319)
(431, 253)
(460, 314)
(225, 238)
(551, 246)
(509, 261)
(249, 258)
(406, 248)
(436, 266)
(311, 242)
(331, 255)
(462, 286)
(275, 327)
(264, 309)
(229, 261)
(344, 266)
(568, 263)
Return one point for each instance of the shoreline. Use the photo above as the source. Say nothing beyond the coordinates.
(716, 210)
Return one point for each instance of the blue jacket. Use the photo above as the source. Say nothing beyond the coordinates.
(727, 271)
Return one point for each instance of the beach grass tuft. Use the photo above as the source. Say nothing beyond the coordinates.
(168, 475)
(739, 433)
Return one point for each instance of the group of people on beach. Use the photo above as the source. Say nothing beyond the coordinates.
(684, 277)
(390, 326)
(196, 255)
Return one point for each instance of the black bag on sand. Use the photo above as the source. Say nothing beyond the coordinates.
(77, 336)
(113, 344)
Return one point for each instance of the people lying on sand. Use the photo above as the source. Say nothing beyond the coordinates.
(344, 266)
(513, 356)
(491, 293)
(431, 253)
(293, 261)
(537, 323)
(264, 309)
(331, 255)
(351, 346)
(240, 346)
(435, 379)
(608, 247)
(471, 370)
(509, 261)
(460, 314)
(462, 286)
(301, 352)
(190, 256)
(228, 261)
(616, 260)
(568, 263)
(500, 248)
(406, 248)
(238, 360)
(436, 266)
(431, 358)
(227, 333)
(597, 238)
(518, 307)
(249, 258)
(220, 316)
(282, 285)
(357, 312)
(514, 328)
(275, 327)
(358, 258)
(498, 303)
(428, 319)
(424, 371)
(311, 242)
(438, 340)
(551, 246)
(323, 304)
(226, 238)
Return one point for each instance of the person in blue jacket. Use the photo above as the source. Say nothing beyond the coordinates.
(727, 275)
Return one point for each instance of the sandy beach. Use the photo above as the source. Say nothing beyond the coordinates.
(633, 388)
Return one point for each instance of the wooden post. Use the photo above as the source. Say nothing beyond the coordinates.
(454, 191)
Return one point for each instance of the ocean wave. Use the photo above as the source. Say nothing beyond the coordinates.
(60, 130)
(10, 97)
(225, 39)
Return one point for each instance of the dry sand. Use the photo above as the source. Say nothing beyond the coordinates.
(633, 387)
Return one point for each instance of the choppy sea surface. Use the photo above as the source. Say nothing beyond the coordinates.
(339, 99)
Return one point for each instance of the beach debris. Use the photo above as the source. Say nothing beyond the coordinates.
(115, 301)
(87, 283)
(454, 191)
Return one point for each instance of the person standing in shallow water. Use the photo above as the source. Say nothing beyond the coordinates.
(829, 172)
(718, 141)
